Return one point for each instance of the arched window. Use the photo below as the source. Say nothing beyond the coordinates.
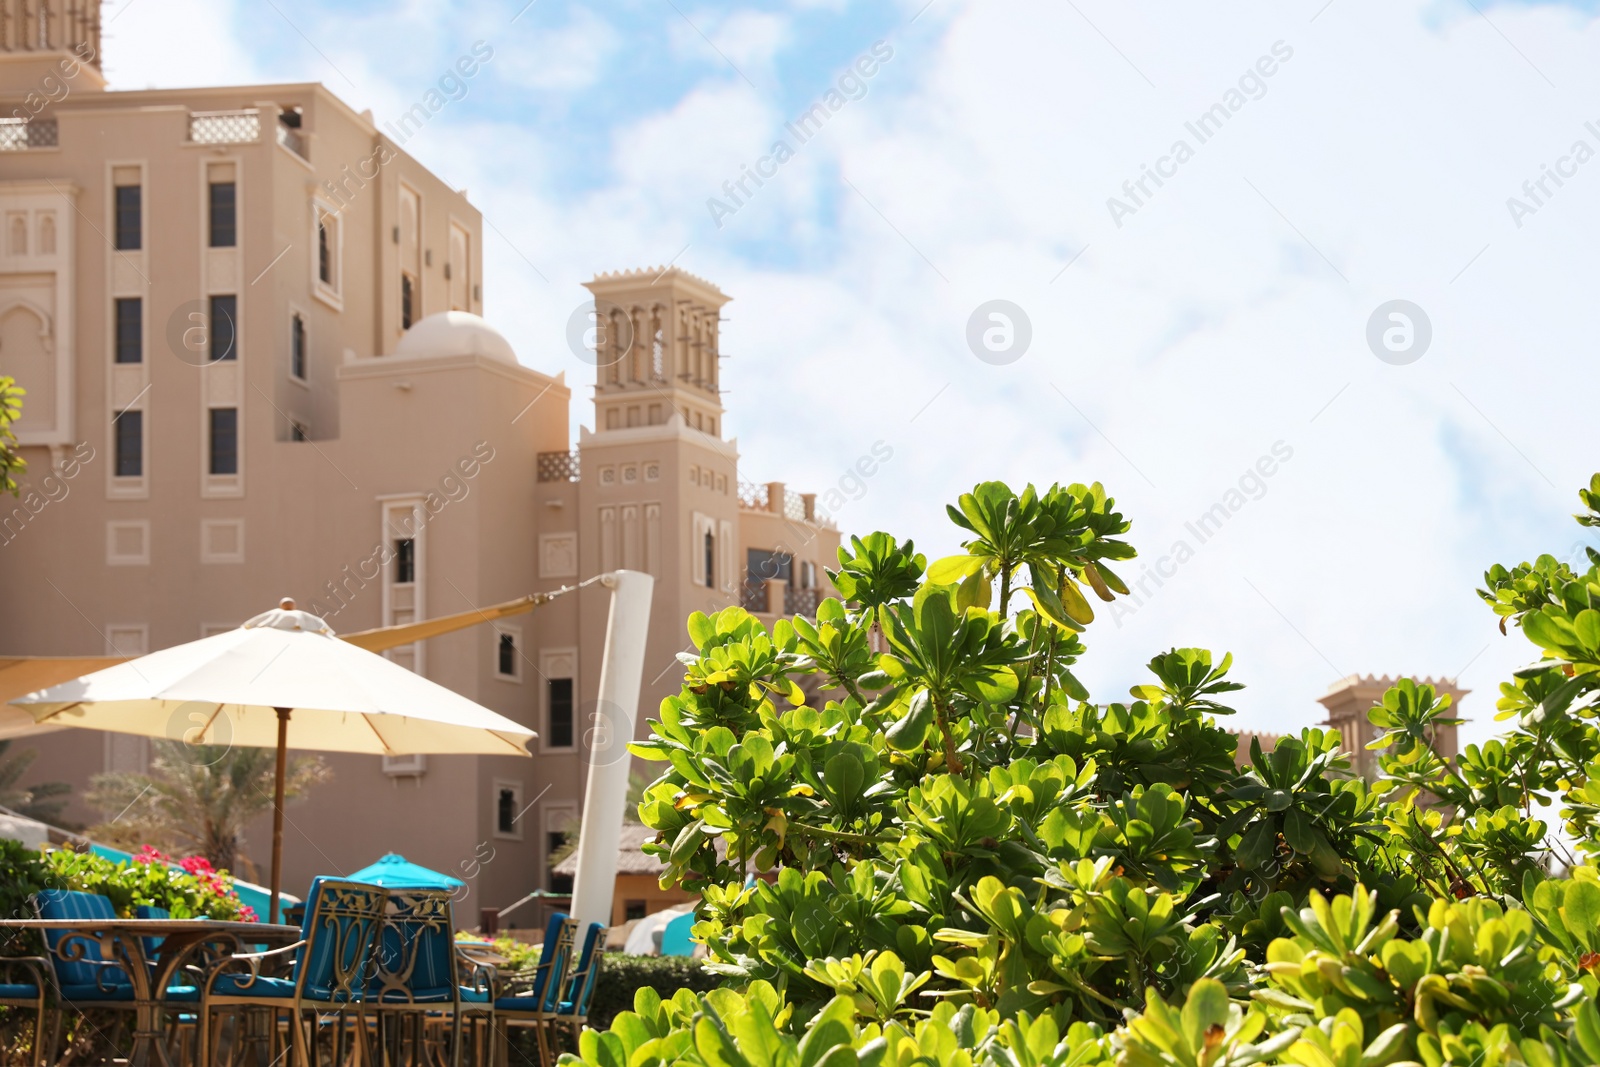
(711, 561)
(47, 234)
(19, 236)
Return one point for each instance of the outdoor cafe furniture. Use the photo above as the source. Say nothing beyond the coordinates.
(560, 992)
(99, 961)
(24, 983)
(416, 983)
(328, 978)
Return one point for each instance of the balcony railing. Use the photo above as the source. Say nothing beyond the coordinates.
(756, 598)
(19, 135)
(292, 139)
(801, 601)
(558, 466)
(225, 127)
(752, 496)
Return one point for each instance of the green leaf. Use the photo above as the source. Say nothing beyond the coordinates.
(1206, 1007)
(1258, 844)
(1297, 830)
(952, 570)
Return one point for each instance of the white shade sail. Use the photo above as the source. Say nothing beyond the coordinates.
(225, 690)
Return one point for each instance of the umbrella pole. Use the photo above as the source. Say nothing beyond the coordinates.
(277, 812)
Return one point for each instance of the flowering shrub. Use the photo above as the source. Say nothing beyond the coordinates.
(190, 891)
(966, 860)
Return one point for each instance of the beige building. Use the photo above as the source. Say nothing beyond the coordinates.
(248, 325)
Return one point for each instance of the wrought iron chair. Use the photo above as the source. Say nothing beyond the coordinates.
(29, 994)
(573, 1008)
(80, 976)
(416, 978)
(329, 977)
(533, 1007)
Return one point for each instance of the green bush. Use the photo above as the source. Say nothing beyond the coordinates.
(969, 861)
(621, 977)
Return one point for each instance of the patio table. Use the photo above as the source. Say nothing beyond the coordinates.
(122, 941)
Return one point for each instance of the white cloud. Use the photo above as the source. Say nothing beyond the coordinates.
(565, 59)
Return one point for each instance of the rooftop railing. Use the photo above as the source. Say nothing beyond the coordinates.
(225, 127)
(19, 135)
(292, 139)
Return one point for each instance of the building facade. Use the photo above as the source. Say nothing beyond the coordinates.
(249, 327)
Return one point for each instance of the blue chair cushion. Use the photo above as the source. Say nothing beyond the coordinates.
(152, 945)
(435, 996)
(67, 904)
(329, 910)
(18, 991)
(228, 985)
(526, 1002)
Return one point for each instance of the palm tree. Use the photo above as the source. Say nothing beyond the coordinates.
(196, 798)
(43, 801)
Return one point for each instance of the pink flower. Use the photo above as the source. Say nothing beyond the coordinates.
(197, 865)
(248, 914)
(150, 854)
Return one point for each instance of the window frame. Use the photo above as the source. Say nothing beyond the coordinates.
(501, 632)
(299, 346)
(325, 218)
(500, 787)
(549, 733)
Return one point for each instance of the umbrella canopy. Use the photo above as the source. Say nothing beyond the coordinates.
(394, 871)
(282, 680)
(226, 689)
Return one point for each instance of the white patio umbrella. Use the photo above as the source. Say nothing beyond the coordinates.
(282, 680)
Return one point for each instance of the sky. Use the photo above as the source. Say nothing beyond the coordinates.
(1341, 318)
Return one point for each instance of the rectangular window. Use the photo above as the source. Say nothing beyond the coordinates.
(224, 228)
(224, 328)
(405, 561)
(129, 430)
(129, 222)
(505, 815)
(130, 329)
(554, 842)
(408, 301)
(327, 249)
(298, 431)
(224, 440)
(560, 696)
(297, 347)
(506, 653)
(633, 909)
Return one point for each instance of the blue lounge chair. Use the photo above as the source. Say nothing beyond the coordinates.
(82, 973)
(417, 975)
(574, 1008)
(537, 1004)
(332, 966)
(24, 988)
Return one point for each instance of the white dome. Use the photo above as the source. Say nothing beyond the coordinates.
(454, 333)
